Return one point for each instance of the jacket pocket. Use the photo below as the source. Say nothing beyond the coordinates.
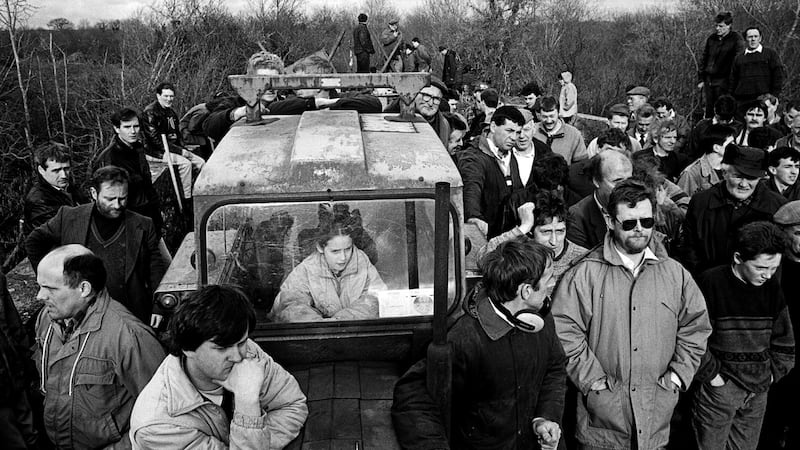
(95, 397)
(604, 410)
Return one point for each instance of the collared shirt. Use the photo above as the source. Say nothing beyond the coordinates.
(756, 50)
(630, 264)
(503, 161)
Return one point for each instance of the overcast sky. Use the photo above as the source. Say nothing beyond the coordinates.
(96, 10)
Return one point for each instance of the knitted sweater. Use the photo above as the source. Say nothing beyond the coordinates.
(758, 73)
(752, 342)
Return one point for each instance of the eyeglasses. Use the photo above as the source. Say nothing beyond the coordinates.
(431, 98)
(628, 225)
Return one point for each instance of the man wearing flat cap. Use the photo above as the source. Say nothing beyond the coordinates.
(390, 37)
(637, 96)
(782, 413)
(716, 214)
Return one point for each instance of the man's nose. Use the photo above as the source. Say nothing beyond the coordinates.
(236, 354)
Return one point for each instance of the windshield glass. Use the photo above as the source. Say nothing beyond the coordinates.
(315, 261)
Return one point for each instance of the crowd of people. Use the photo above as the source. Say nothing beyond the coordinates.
(651, 268)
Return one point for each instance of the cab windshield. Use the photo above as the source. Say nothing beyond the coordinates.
(321, 261)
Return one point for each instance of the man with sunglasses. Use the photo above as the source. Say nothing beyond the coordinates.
(715, 215)
(633, 325)
(508, 378)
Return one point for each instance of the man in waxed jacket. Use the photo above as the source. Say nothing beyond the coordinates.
(634, 327)
(94, 357)
(508, 377)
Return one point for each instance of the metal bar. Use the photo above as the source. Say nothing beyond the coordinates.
(336, 45)
(440, 261)
(411, 245)
(171, 168)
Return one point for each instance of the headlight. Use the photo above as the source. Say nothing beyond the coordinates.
(168, 301)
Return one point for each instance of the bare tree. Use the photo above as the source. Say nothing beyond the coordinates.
(14, 13)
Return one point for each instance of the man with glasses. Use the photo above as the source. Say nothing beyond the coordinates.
(633, 325)
(426, 104)
(715, 215)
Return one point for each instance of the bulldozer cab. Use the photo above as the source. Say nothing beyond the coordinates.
(264, 198)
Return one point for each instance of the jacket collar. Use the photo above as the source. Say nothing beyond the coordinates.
(94, 314)
(611, 256)
(324, 272)
(181, 396)
(478, 306)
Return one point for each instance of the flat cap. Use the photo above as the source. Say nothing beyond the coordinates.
(437, 82)
(788, 214)
(639, 90)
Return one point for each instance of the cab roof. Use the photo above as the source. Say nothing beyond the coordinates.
(326, 150)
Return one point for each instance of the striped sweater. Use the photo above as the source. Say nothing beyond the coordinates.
(752, 343)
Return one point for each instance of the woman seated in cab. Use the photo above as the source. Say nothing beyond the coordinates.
(337, 281)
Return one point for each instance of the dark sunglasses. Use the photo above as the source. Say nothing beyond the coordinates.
(628, 225)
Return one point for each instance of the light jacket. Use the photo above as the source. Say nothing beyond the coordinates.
(91, 381)
(698, 176)
(171, 413)
(311, 292)
(568, 97)
(632, 332)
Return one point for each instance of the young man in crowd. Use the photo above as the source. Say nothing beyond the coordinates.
(507, 366)
(752, 344)
(645, 116)
(756, 71)
(52, 187)
(618, 117)
(486, 168)
(720, 50)
(707, 170)
(665, 111)
(561, 137)
(724, 112)
(783, 165)
(217, 388)
(664, 134)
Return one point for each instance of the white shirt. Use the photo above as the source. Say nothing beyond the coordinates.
(525, 164)
(756, 50)
(503, 161)
(631, 265)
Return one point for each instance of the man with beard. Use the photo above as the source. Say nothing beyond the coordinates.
(752, 345)
(633, 325)
(715, 215)
(486, 168)
(562, 137)
(126, 241)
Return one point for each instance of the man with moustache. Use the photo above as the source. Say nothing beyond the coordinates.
(715, 215)
(633, 325)
(93, 356)
(126, 241)
(752, 343)
(756, 117)
(486, 169)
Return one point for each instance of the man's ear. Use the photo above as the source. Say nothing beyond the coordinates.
(609, 221)
(86, 288)
(737, 258)
(93, 193)
(772, 170)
